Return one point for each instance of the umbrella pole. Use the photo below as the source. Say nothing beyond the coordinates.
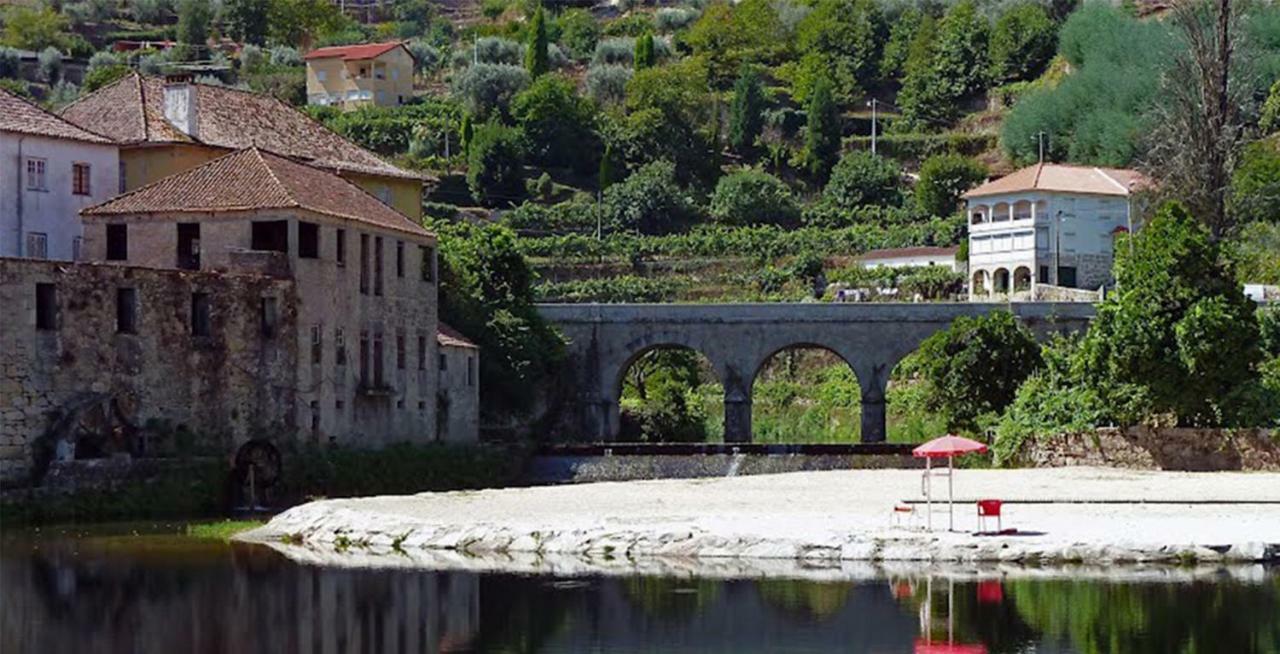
(951, 498)
(928, 490)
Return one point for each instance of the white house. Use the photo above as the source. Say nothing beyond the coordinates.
(910, 257)
(54, 169)
(1047, 224)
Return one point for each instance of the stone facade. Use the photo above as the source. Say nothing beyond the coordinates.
(1161, 449)
(69, 352)
(458, 420)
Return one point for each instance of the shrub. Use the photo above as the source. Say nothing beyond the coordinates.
(497, 50)
(426, 57)
(942, 179)
(283, 55)
(16, 87)
(104, 76)
(62, 94)
(670, 19)
(614, 51)
(841, 43)
(150, 12)
(10, 62)
(495, 159)
(566, 216)
(1270, 120)
(579, 33)
(750, 197)
(1255, 184)
(627, 288)
(650, 201)
(863, 179)
(607, 84)
(103, 59)
(49, 63)
(1050, 402)
(1022, 42)
(489, 88)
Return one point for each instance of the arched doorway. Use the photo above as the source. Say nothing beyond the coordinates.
(979, 284)
(669, 393)
(805, 394)
(1022, 279)
(1000, 281)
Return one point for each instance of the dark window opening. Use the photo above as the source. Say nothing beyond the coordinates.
(117, 242)
(399, 258)
(317, 344)
(1044, 275)
(46, 307)
(315, 417)
(200, 314)
(270, 235)
(1067, 276)
(340, 347)
(189, 246)
(269, 316)
(364, 264)
(364, 358)
(127, 310)
(422, 352)
(444, 362)
(377, 266)
(340, 242)
(377, 360)
(400, 353)
(471, 371)
(308, 240)
(428, 263)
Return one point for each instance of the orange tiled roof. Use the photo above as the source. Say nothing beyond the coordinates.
(1066, 179)
(131, 111)
(448, 336)
(18, 115)
(252, 179)
(353, 52)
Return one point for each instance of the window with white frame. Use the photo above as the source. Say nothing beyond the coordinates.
(321, 75)
(37, 245)
(80, 178)
(36, 174)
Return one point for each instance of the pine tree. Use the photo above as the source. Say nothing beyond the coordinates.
(822, 138)
(535, 56)
(645, 57)
(746, 114)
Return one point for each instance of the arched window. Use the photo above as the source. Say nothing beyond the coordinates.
(1022, 210)
(1000, 212)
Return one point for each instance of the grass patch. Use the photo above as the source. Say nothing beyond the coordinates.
(222, 530)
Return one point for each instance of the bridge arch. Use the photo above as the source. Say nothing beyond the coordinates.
(773, 369)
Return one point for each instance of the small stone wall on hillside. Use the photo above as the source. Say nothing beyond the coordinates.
(1051, 293)
(1161, 449)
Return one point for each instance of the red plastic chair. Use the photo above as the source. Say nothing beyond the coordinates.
(988, 509)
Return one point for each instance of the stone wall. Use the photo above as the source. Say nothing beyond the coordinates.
(1050, 293)
(84, 376)
(1161, 449)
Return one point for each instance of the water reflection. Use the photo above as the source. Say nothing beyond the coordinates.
(165, 594)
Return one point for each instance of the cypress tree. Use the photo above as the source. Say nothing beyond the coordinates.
(607, 174)
(535, 56)
(468, 131)
(644, 55)
(746, 114)
(822, 138)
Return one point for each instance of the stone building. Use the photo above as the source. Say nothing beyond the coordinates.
(1048, 224)
(458, 419)
(166, 126)
(365, 277)
(354, 76)
(109, 348)
(57, 170)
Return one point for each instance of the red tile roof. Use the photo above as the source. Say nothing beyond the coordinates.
(450, 337)
(353, 52)
(131, 111)
(1066, 179)
(251, 179)
(19, 115)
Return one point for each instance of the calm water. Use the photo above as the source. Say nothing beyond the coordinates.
(63, 592)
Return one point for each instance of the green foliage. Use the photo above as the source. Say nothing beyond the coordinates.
(488, 89)
(188, 489)
(607, 84)
(495, 161)
(840, 42)
(863, 179)
(486, 293)
(626, 288)
(193, 27)
(10, 62)
(728, 36)
(945, 64)
(16, 87)
(1269, 331)
(568, 216)
(615, 51)
(650, 201)
(1050, 402)
(26, 28)
(1270, 119)
(222, 530)
(659, 399)
(746, 112)
(579, 32)
(942, 179)
(246, 20)
(298, 22)
(822, 135)
(49, 65)
(1255, 184)
(608, 173)
(975, 366)
(1022, 42)
(389, 130)
(535, 55)
(644, 56)
(668, 108)
(750, 197)
(893, 61)
(558, 124)
(103, 76)
(1178, 338)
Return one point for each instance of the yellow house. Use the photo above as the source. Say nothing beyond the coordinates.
(167, 126)
(351, 76)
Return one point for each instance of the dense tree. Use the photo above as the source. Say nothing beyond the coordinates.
(495, 161)
(487, 89)
(667, 116)
(728, 36)
(942, 179)
(301, 22)
(535, 54)
(944, 66)
(1022, 42)
(975, 366)
(1270, 119)
(650, 201)
(1177, 338)
(579, 33)
(926, 101)
(193, 28)
(558, 124)
(750, 197)
(863, 179)
(1255, 184)
(31, 29)
(746, 113)
(901, 35)
(840, 42)
(822, 137)
(644, 56)
(246, 20)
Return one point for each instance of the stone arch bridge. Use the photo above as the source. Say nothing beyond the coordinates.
(738, 339)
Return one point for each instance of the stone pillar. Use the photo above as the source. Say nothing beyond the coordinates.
(874, 384)
(737, 419)
(600, 419)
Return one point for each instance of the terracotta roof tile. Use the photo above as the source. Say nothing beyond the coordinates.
(255, 179)
(18, 115)
(448, 336)
(353, 52)
(1066, 179)
(132, 111)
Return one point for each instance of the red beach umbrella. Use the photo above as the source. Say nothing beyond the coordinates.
(949, 446)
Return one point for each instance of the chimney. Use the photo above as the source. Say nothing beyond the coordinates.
(180, 104)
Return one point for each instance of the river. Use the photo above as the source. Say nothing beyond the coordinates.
(145, 588)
